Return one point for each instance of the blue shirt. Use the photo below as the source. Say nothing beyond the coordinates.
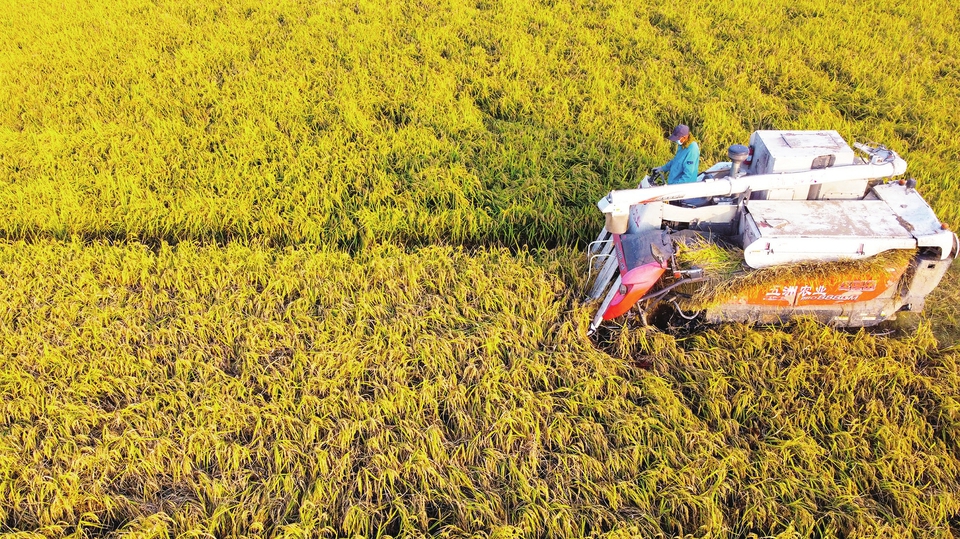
(685, 165)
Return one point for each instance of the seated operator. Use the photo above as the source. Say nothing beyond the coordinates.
(685, 164)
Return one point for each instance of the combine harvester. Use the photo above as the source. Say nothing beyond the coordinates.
(809, 227)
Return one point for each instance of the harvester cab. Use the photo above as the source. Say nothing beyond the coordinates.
(796, 223)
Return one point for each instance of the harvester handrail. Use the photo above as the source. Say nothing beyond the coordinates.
(889, 164)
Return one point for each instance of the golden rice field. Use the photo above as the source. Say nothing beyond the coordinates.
(314, 269)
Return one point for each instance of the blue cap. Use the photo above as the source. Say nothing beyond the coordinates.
(679, 132)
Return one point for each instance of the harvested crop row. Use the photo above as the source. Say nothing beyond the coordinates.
(242, 391)
(730, 278)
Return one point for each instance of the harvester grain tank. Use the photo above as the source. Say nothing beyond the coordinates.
(806, 224)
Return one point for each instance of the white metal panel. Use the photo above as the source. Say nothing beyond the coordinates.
(824, 140)
(644, 217)
(849, 190)
(917, 216)
(703, 214)
(826, 218)
(719, 166)
(748, 229)
(822, 230)
(793, 151)
(915, 213)
(775, 251)
(790, 193)
(760, 163)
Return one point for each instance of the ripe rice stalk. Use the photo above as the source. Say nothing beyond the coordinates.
(729, 277)
(276, 262)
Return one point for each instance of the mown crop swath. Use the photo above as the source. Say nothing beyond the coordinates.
(295, 269)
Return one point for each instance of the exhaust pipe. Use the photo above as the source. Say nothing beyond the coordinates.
(737, 153)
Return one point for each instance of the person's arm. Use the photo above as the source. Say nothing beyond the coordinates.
(666, 166)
